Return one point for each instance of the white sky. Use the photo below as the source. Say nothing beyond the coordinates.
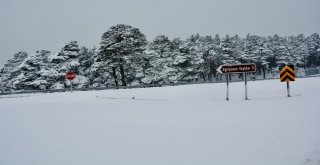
(31, 25)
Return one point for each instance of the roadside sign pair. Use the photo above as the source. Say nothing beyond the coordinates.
(286, 72)
(238, 68)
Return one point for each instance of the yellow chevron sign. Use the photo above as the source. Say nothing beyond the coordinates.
(287, 73)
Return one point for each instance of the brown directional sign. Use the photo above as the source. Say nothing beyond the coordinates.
(287, 73)
(239, 68)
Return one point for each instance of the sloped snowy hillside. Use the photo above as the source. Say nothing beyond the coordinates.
(184, 125)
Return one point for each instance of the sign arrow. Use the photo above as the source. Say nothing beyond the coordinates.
(219, 69)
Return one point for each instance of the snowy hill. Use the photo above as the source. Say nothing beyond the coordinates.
(184, 125)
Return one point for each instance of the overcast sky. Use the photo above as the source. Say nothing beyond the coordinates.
(31, 25)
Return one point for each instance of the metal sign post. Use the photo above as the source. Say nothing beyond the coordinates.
(239, 68)
(227, 76)
(70, 76)
(71, 85)
(246, 87)
(288, 88)
(287, 74)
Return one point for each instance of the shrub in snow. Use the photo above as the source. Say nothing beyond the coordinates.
(78, 82)
(57, 85)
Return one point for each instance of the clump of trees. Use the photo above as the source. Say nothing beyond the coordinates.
(125, 57)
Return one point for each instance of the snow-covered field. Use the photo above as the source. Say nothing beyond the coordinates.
(184, 125)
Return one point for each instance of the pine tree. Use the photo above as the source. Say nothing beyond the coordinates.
(86, 60)
(32, 76)
(215, 55)
(251, 52)
(10, 71)
(67, 59)
(279, 47)
(191, 61)
(298, 50)
(256, 50)
(178, 59)
(117, 47)
(230, 53)
(160, 58)
(313, 43)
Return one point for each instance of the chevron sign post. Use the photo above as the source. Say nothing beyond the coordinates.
(287, 74)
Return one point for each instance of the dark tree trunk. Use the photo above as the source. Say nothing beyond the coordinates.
(210, 76)
(204, 76)
(114, 74)
(241, 76)
(123, 78)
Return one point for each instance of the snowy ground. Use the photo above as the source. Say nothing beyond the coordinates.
(184, 125)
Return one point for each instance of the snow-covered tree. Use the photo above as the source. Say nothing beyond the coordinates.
(86, 60)
(313, 43)
(67, 59)
(33, 76)
(191, 60)
(230, 52)
(280, 50)
(160, 58)
(10, 71)
(117, 47)
(298, 50)
(256, 50)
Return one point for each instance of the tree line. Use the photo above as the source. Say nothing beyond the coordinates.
(126, 58)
